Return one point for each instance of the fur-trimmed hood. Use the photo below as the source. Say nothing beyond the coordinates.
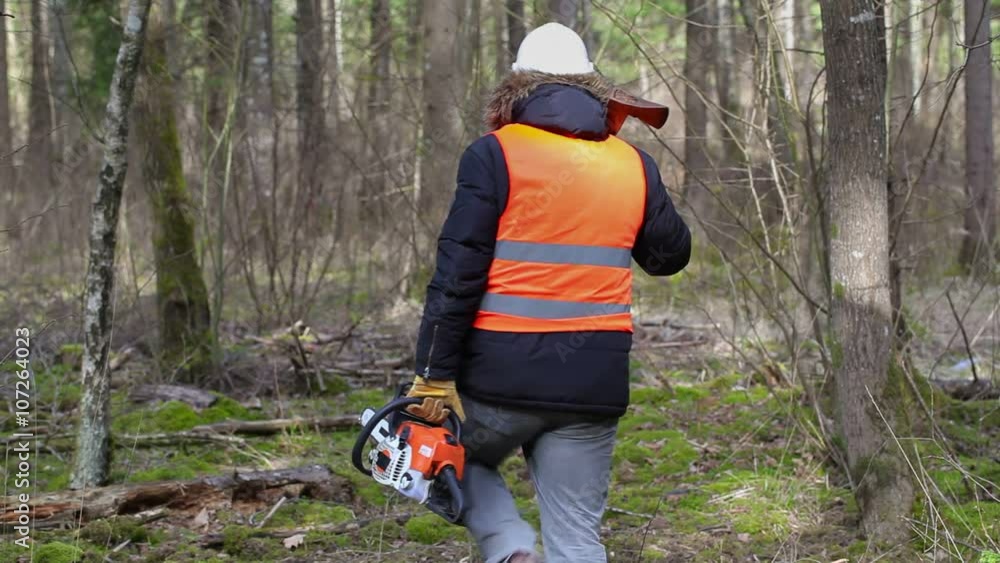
(517, 86)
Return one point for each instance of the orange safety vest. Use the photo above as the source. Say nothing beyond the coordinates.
(564, 244)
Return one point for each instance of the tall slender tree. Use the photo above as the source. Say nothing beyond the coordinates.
(93, 445)
(724, 63)
(516, 26)
(500, 59)
(442, 93)
(187, 343)
(40, 128)
(60, 30)
(978, 254)
(377, 106)
(6, 137)
(222, 31)
(310, 112)
(868, 401)
(310, 109)
(697, 61)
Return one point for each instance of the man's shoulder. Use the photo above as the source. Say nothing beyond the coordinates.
(486, 148)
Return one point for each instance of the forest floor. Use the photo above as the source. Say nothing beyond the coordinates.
(715, 463)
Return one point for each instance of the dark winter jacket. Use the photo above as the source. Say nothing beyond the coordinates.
(573, 371)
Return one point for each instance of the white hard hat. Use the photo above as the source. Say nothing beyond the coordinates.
(553, 49)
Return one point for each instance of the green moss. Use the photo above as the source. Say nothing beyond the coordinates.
(650, 396)
(178, 467)
(976, 518)
(58, 552)
(360, 399)
(746, 397)
(378, 532)
(336, 385)
(307, 512)
(234, 538)
(70, 355)
(989, 557)
(114, 530)
(430, 529)
(838, 290)
(686, 394)
(174, 416)
(725, 383)
(653, 454)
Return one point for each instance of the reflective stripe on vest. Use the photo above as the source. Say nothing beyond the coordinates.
(563, 253)
(564, 242)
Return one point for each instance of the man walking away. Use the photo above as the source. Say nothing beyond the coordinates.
(527, 326)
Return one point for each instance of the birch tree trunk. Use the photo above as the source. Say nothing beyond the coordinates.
(187, 343)
(977, 252)
(869, 401)
(443, 97)
(40, 129)
(93, 446)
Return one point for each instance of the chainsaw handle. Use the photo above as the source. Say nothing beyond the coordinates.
(357, 453)
(454, 516)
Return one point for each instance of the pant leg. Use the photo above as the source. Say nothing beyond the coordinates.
(571, 469)
(490, 434)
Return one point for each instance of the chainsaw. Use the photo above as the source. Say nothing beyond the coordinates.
(421, 460)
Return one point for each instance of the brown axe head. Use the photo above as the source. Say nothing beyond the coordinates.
(621, 105)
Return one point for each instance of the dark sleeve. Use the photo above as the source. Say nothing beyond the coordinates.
(663, 245)
(464, 256)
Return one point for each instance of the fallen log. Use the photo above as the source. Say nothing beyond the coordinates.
(262, 427)
(69, 508)
(216, 540)
(197, 398)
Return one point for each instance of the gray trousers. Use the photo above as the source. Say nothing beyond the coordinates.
(569, 459)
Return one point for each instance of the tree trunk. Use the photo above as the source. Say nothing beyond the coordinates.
(40, 129)
(6, 137)
(377, 184)
(901, 69)
(443, 96)
(93, 445)
(501, 60)
(697, 58)
(724, 60)
(471, 68)
(868, 398)
(60, 29)
(334, 58)
(187, 343)
(309, 96)
(70, 509)
(515, 28)
(223, 118)
(977, 254)
(311, 120)
(566, 12)
(222, 22)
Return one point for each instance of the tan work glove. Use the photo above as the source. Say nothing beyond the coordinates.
(439, 396)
